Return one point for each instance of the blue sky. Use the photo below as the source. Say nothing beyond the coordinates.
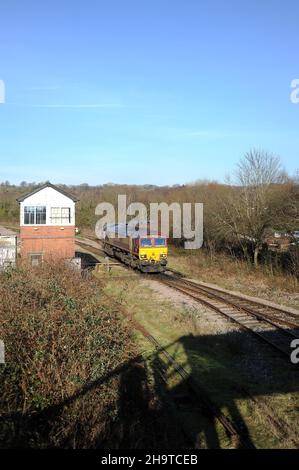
(159, 91)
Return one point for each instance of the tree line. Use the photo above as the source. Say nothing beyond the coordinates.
(239, 215)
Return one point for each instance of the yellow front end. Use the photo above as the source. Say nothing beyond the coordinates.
(153, 254)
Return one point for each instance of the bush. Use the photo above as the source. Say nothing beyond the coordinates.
(64, 350)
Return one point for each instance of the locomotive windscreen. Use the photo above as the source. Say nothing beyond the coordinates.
(160, 241)
(145, 242)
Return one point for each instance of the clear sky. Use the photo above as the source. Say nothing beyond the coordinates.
(136, 91)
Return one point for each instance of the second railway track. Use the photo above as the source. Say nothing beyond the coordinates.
(276, 327)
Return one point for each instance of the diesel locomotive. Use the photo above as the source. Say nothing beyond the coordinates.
(146, 253)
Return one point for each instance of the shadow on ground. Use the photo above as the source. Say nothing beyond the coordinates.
(226, 367)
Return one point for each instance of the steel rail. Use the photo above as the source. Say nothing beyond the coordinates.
(225, 297)
(198, 296)
(212, 409)
(280, 310)
(195, 290)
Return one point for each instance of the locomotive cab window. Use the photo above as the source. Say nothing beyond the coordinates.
(160, 242)
(145, 242)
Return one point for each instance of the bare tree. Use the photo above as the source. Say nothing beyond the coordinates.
(257, 172)
(254, 204)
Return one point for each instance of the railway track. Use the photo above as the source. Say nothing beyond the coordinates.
(273, 325)
(277, 327)
(259, 314)
(281, 315)
(196, 396)
(84, 244)
(95, 251)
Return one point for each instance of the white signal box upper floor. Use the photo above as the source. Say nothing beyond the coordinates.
(47, 205)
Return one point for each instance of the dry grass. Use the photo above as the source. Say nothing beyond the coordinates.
(237, 275)
(230, 364)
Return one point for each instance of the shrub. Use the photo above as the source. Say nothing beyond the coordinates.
(65, 349)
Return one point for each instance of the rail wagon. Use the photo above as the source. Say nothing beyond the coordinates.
(146, 253)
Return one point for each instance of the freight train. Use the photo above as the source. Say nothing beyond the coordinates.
(146, 253)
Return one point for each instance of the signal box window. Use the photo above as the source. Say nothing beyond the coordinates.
(60, 215)
(34, 215)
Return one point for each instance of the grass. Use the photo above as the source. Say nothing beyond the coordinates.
(76, 375)
(226, 364)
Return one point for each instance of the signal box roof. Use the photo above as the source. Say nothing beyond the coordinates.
(47, 185)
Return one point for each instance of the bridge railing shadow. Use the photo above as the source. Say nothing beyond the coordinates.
(220, 364)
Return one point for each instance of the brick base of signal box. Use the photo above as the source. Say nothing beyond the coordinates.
(51, 242)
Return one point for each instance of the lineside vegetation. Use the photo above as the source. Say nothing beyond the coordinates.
(71, 370)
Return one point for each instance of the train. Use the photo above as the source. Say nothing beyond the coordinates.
(146, 253)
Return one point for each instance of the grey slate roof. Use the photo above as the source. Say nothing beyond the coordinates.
(47, 185)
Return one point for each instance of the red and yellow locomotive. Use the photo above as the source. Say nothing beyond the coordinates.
(146, 253)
